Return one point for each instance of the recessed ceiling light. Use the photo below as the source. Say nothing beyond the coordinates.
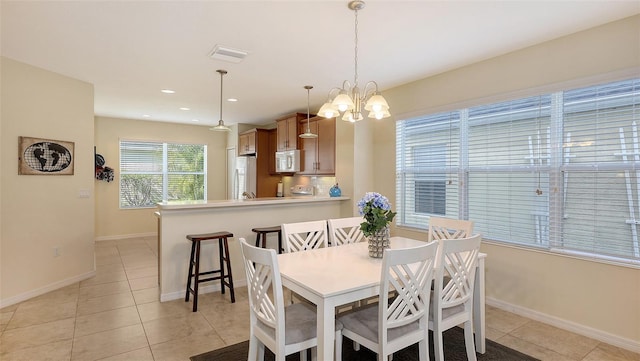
(232, 100)
(185, 108)
(195, 120)
(168, 91)
(146, 115)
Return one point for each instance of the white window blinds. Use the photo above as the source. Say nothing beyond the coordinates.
(558, 171)
(151, 172)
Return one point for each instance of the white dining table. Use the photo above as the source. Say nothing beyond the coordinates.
(334, 276)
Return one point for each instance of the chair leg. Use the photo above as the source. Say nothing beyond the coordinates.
(253, 348)
(196, 278)
(221, 260)
(191, 259)
(423, 349)
(258, 239)
(438, 350)
(230, 275)
(468, 341)
(338, 346)
(260, 351)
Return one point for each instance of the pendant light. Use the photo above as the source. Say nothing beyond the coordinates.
(349, 101)
(221, 127)
(308, 133)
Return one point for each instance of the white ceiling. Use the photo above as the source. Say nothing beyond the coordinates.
(130, 50)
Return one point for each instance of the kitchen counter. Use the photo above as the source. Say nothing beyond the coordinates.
(245, 202)
(178, 219)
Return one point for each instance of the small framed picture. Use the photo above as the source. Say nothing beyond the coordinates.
(45, 156)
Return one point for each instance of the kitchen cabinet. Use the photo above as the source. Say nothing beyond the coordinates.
(258, 146)
(287, 131)
(273, 146)
(247, 142)
(319, 154)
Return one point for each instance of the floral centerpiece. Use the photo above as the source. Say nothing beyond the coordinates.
(377, 213)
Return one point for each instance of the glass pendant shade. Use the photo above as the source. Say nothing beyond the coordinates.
(327, 110)
(220, 127)
(379, 115)
(377, 103)
(351, 117)
(343, 102)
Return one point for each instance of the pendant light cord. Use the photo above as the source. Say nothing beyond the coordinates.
(221, 79)
(308, 109)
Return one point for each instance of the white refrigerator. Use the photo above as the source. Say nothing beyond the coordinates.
(242, 176)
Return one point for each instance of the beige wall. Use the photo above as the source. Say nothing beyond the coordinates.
(598, 299)
(113, 222)
(40, 212)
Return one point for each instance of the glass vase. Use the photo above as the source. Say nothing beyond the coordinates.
(378, 242)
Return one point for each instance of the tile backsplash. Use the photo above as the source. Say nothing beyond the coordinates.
(322, 184)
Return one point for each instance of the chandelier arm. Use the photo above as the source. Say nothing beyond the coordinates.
(369, 91)
(346, 85)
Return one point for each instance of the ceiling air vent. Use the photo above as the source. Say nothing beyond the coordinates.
(227, 54)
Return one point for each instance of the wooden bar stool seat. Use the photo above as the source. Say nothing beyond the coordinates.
(225, 276)
(262, 236)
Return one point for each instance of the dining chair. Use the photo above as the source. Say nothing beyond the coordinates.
(345, 230)
(282, 329)
(396, 323)
(448, 228)
(452, 295)
(302, 236)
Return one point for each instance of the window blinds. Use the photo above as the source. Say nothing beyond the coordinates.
(558, 171)
(151, 172)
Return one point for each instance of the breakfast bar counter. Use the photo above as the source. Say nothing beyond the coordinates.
(178, 219)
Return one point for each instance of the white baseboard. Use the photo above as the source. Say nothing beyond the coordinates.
(48, 288)
(126, 236)
(164, 297)
(583, 330)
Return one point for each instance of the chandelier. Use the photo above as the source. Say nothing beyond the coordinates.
(348, 100)
(221, 127)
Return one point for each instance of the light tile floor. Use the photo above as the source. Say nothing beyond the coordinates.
(116, 316)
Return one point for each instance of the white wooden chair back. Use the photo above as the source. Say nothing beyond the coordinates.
(452, 302)
(345, 230)
(403, 319)
(263, 285)
(409, 272)
(302, 236)
(448, 228)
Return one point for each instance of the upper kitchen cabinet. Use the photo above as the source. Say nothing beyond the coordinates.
(319, 154)
(247, 142)
(287, 131)
(273, 145)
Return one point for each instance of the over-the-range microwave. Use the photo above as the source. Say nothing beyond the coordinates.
(288, 161)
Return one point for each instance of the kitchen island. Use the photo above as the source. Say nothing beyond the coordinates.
(177, 219)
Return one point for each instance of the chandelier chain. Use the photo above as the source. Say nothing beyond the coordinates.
(356, 51)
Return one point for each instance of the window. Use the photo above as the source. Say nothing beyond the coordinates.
(559, 171)
(152, 172)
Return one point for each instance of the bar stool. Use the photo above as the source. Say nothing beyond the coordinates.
(226, 279)
(262, 235)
